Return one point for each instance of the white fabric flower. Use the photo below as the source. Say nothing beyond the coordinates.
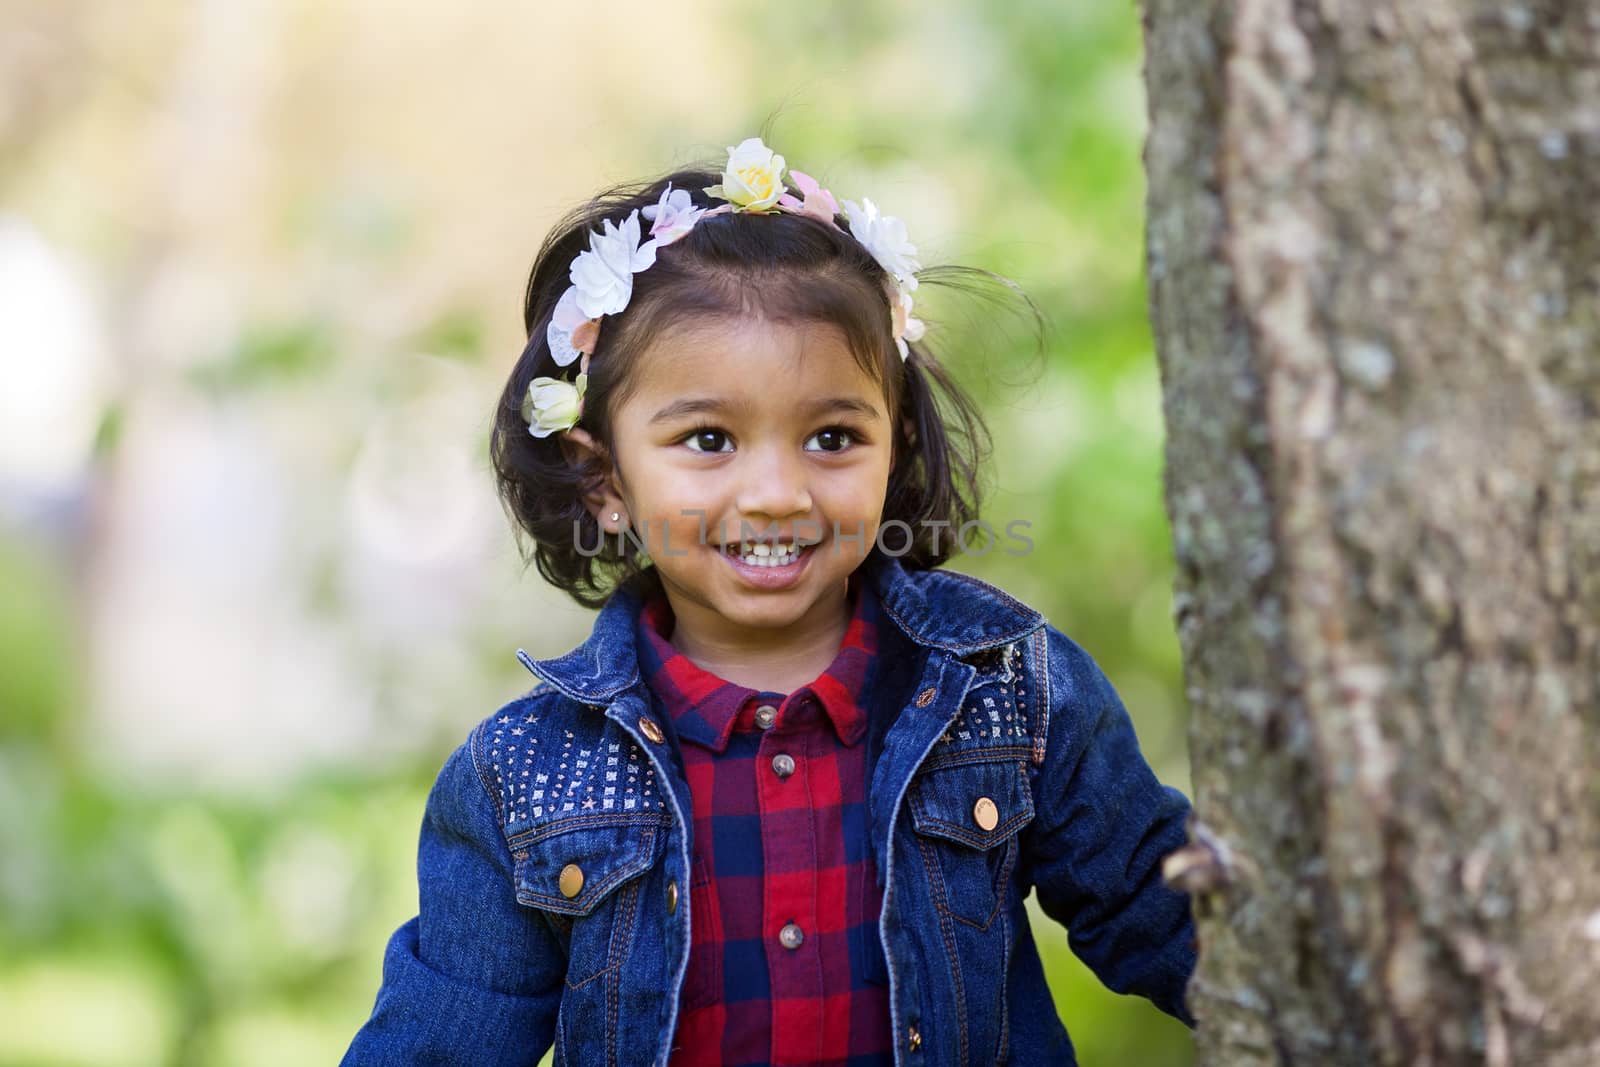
(674, 215)
(753, 179)
(885, 237)
(604, 274)
(552, 404)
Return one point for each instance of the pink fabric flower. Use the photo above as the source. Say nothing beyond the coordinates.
(902, 327)
(586, 336)
(819, 203)
(674, 215)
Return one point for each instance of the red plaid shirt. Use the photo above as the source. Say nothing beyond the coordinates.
(785, 896)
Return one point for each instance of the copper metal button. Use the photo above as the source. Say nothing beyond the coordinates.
(985, 814)
(672, 896)
(766, 714)
(648, 727)
(571, 880)
(924, 697)
(913, 1037)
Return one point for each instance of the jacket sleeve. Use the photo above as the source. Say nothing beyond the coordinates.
(1102, 825)
(474, 978)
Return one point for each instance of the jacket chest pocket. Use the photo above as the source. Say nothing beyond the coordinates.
(966, 817)
(585, 874)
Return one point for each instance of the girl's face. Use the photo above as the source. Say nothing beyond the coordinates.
(769, 425)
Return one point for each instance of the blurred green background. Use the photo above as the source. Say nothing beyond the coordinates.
(261, 267)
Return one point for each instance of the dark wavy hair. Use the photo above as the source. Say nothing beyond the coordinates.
(781, 267)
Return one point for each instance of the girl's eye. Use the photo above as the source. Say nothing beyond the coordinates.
(700, 435)
(834, 438)
(710, 439)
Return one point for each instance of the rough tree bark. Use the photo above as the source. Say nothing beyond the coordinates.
(1374, 271)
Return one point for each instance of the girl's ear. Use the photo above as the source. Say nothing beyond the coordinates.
(580, 448)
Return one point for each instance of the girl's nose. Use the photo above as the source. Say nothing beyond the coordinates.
(773, 485)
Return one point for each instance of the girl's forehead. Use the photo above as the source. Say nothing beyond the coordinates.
(734, 337)
(752, 364)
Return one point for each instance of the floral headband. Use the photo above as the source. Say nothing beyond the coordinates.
(752, 182)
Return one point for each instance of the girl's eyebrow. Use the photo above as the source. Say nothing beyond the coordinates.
(697, 405)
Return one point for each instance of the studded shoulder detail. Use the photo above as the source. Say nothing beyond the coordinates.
(994, 713)
(547, 756)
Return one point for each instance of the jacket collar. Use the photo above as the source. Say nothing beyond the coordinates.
(940, 609)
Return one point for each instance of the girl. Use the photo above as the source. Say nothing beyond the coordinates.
(785, 803)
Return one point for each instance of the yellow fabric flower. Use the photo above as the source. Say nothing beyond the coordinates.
(753, 179)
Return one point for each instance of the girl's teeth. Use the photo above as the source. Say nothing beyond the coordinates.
(765, 556)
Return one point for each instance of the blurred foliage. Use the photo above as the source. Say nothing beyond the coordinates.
(302, 349)
(185, 927)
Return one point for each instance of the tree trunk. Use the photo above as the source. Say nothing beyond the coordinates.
(1374, 270)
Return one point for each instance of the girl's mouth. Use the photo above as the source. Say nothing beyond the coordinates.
(771, 566)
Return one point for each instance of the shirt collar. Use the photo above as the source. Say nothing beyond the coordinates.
(704, 708)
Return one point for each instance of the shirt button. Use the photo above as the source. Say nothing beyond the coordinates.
(672, 896)
(765, 715)
(783, 765)
(791, 936)
(913, 1037)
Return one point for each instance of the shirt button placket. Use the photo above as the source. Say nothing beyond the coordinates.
(789, 912)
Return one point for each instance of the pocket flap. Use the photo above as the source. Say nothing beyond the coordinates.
(953, 802)
(602, 854)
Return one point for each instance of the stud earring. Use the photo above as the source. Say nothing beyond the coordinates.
(615, 516)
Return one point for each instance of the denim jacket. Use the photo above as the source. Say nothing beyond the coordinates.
(545, 919)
